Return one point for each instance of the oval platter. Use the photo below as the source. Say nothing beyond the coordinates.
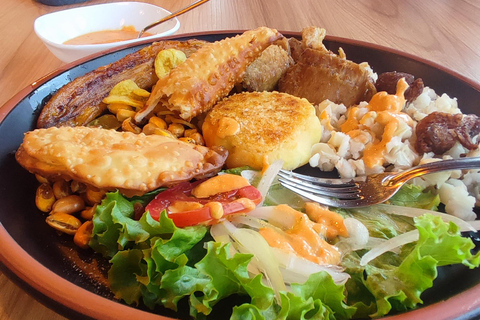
(73, 282)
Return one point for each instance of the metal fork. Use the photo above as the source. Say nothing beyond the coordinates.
(366, 190)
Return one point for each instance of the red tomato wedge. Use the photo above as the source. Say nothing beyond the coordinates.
(200, 214)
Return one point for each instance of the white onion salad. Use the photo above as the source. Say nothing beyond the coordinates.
(280, 268)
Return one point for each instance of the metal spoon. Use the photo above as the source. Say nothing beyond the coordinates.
(172, 15)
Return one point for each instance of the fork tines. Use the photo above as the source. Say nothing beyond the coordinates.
(325, 191)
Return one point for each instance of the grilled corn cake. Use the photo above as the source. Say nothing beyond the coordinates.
(258, 128)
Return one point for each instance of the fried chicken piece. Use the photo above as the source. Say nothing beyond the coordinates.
(208, 75)
(319, 74)
(109, 160)
(263, 73)
(80, 101)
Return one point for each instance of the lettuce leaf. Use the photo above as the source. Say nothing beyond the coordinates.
(396, 282)
(156, 263)
(414, 196)
(318, 298)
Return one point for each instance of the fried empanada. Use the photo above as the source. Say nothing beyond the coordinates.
(109, 160)
(208, 75)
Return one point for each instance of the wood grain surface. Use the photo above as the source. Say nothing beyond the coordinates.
(446, 32)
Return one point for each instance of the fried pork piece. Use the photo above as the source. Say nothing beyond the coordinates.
(387, 81)
(109, 160)
(263, 73)
(319, 74)
(80, 101)
(439, 131)
(208, 75)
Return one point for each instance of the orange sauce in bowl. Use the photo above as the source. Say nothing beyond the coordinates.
(107, 36)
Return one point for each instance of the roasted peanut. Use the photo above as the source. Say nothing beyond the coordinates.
(93, 195)
(123, 114)
(176, 129)
(187, 140)
(158, 122)
(198, 139)
(149, 129)
(68, 204)
(83, 235)
(88, 212)
(78, 187)
(44, 198)
(128, 125)
(61, 189)
(183, 122)
(189, 132)
(64, 222)
(41, 179)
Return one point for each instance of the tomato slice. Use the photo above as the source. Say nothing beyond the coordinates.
(201, 215)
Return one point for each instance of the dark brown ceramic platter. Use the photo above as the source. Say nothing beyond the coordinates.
(72, 281)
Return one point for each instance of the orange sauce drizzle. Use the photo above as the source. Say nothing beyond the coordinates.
(385, 109)
(303, 239)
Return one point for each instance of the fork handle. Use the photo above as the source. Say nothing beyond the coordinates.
(431, 167)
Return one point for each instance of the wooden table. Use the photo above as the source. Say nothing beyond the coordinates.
(446, 32)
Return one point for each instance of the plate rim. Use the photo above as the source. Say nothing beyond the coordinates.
(46, 283)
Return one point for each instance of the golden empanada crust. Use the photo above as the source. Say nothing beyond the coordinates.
(108, 159)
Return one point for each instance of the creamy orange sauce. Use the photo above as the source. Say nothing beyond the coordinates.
(107, 36)
(330, 222)
(351, 123)
(303, 239)
(219, 184)
(227, 127)
(384, 109)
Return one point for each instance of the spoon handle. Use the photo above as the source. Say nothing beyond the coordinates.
(172, 15)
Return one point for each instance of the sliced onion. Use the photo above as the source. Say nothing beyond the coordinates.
(251, 222)
(251, 175)
(250, 241)
(416, 212)
(358, 236)
(267, 178)
(296, 269)
(390, 245)
(475, 224)
(221, 234)
(273, 215)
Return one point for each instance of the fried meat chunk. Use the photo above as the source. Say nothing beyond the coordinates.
(109, 160)
(208, 75)
(80, 101)
(439, 131)
(263, 73)
(319, 74)
(387, 81)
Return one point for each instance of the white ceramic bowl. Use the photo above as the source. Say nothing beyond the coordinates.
(56, 28)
